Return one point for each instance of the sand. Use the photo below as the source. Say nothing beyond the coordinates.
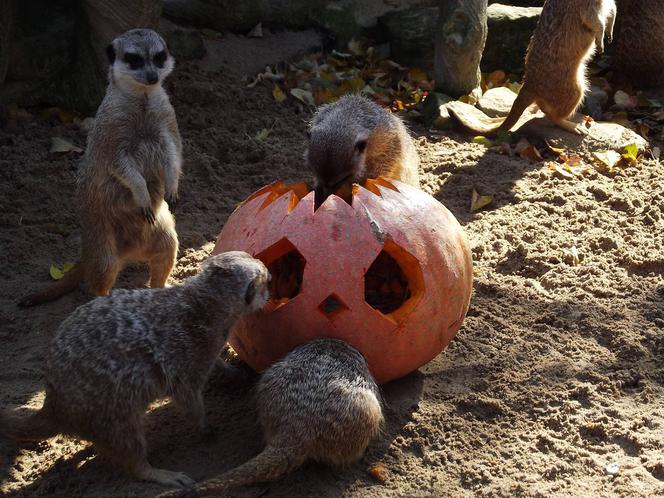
(557, 372)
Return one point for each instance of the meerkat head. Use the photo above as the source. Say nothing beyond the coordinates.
(336, 156)
(238, 280)
(139, 59)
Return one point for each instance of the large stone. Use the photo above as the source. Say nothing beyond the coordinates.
(600, 136)
(472, 117)
(497, 102)
(510, 29)
(185, 44)
(411, 34)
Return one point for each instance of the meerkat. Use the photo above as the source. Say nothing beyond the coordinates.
(567, 35)
(354, 139)
(319, 403)
(132, 164)
(115, 355)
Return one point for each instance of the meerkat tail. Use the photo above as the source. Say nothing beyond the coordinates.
(521, 103)
(70, 281)
(270, 464)
(34, 427)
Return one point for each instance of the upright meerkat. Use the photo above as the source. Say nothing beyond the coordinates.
(567, 34)
(132, 162)
(319, 403)
(114, 356)
(354, 139)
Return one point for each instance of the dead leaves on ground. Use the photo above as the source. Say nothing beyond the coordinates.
(478, 201)
(322, 78)
(56, 272)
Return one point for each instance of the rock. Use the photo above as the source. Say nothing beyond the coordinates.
(411, 34)
(473, 117)
(497, 102)
(510, 29)
(601, 136)
(185, 44)
(594, 101)
(435, 112)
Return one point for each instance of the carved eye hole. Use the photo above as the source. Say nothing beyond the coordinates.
(160, 58)
(360, 146)
(134, 61)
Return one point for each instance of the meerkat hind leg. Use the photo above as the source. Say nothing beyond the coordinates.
(164, 248)
(103, 277)
(191, 404)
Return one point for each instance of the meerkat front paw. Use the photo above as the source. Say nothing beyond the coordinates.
(168, 478)
(172, 198)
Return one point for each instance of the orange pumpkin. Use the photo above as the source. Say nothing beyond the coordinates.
(390, 274)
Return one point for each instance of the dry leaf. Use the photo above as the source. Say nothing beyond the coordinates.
(304, 96)
(624, 100)
(526, 150)
(378, 471)
(262, 135)
(574, 256)
(61, 145)
(256, 31)
(479, 139)
(607, 159)
(478, 201)
(278, 94)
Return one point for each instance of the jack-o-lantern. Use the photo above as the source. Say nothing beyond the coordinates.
(391, 273)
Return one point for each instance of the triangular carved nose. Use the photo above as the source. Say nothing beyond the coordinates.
(332, 306)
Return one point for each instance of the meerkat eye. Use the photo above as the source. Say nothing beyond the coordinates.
(135, 61)
(360, 145)
(160, 58)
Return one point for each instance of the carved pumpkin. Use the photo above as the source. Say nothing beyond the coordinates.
(390, 274)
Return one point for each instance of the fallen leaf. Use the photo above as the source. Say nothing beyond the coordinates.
(526, 150)
(278, 94)
(630, 154)
(304, 96)
(356, 48)
(87, 125)
(607, 159)
(479, 139)
(624, 100)
(60, 145)
(514, 86)
(263, 134)
(378, 471)
(256, 31)
(55, 272)
(478, 201)
(574, 253)
(555, 150)
(67, 266)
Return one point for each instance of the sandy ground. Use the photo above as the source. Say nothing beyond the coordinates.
(557, 371)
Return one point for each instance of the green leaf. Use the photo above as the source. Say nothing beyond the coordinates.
(631, 151)
(55, 272)
(67, 266)
(504, 137)
(482, 140)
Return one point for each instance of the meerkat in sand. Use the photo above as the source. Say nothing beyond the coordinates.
(319, 403)
(354, 139)
(115, 355)
(132, 163)
(567, 35)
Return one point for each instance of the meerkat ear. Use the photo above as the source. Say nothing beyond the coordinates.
(110, 53)
(250, 294)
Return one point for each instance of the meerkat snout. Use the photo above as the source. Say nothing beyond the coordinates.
(141, 59)
(249, 277)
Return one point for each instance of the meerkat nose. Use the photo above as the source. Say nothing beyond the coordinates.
(152, 78)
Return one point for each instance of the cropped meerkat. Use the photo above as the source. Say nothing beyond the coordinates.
(115, 355)
(132, 163)
(319, 403)
(354, 139)
(567, 34)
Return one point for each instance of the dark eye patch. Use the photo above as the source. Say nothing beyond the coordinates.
(160, 58)
(135, 61)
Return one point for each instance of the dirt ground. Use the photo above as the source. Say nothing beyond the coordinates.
(557, 372)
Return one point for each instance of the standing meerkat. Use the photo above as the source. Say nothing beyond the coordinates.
(114, 356)
(567, 34)
(354, 139)
(132, 162)
(319, 403)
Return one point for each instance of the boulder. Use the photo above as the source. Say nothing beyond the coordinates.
(185, 44)
(497, 101)
(510, 29)
(411, 34)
